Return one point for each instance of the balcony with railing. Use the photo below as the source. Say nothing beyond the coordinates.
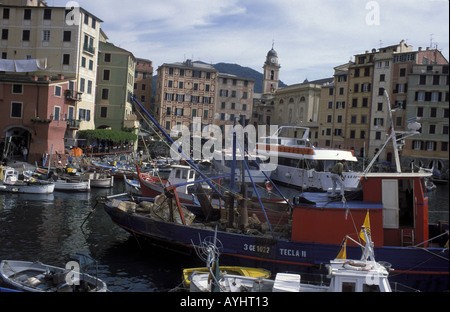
(73, 124)
(89, 48)
(72, 95)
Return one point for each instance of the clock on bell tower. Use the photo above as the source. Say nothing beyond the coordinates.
(271, 72)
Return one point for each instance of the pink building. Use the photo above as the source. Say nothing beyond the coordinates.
(39, 113)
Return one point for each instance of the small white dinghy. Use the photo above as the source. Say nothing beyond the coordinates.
(39, 277)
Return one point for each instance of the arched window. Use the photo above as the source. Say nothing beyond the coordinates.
(272, 75)
(302, 99)
(291, 100)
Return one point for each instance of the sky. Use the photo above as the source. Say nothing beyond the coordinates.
(311, 37)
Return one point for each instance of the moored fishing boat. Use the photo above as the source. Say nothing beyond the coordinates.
(396, 202)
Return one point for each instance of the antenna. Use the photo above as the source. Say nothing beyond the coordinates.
(431, 41)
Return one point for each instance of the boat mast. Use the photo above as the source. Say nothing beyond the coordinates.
(188, 159)
(393, 137)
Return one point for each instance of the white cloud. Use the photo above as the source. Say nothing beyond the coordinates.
(311, 37)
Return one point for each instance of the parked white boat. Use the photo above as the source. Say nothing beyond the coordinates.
(38, 277)
(72, 186)
(10, 182)
(300, 164)
(102, 180)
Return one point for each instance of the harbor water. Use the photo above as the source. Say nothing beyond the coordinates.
(49, 229)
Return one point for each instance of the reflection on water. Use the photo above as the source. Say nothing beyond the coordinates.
(47, 228)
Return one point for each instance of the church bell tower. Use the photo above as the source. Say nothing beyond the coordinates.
(271, 72)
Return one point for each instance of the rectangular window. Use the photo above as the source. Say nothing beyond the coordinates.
(432, 129)
(56, 113)
(27, 14)
(422, 79)
(433, 112)
(419, 111)
(436, 79)
(66, 59)
(16, 110)
(431, 146)
(57, 91)
(378, 122)
(107, 57)
(5, 34)
(47, 14)
(106, 74)
(103, 112)
(67, 36)
(82, 84)
(89, 87)
(46, 35)
(378, 135)
(353, 119)
(205, 114)
(26, 35)
(6, 13)
(17, 89)
(417, 145)
(105, 94)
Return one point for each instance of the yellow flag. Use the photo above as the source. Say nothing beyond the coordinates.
(343, 253)
(1, 173)
(366, 225)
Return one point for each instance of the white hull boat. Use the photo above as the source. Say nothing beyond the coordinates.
(72, 186)
(11, 183)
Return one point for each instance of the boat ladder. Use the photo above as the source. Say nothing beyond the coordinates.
(407, 238)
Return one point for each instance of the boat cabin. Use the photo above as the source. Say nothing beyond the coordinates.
(397, 204)
(356, 276)
(181, 174)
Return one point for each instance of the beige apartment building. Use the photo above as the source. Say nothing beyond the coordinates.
(62, 42)
(428, 100)
(234, 99)
(184, 91)
(332, 113)
(143, 83)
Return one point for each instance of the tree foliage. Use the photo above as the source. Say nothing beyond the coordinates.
(107, 135)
